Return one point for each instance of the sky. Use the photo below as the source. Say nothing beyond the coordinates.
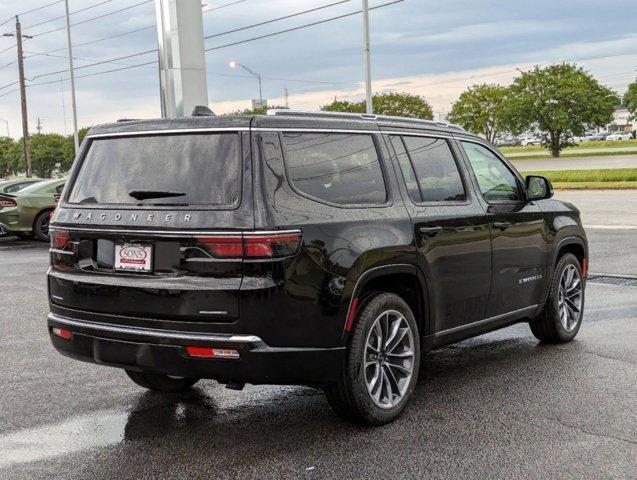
(425, 47)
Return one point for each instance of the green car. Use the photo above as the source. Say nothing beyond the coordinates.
(26, 213)
(13, 186)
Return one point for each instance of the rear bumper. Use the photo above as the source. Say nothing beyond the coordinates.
(163, 351)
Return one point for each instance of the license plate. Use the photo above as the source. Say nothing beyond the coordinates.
(133, 257)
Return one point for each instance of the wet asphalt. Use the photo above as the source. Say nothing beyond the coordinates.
(498, 406)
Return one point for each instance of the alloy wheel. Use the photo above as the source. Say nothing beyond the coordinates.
(389, 358)
(570, 298)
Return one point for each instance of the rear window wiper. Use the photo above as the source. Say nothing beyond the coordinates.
(146, 194)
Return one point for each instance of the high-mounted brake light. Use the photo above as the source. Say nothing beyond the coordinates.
(7, 202)
(253, 245)
(59, 238)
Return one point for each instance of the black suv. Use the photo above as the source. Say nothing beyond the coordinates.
(303, 248)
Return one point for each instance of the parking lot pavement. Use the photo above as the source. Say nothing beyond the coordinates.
(576, 163)
(499, 406)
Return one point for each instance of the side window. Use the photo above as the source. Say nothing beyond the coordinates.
(435, 168)
(338, 168)
(14, 188)
(496, 181)
(405, 166)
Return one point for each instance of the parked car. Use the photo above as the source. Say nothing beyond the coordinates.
(13, 186)
(529, 140)
(26, 213)
(619, 136)
(319, 249)
(599, 136)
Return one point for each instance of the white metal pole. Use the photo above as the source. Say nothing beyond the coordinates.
(76, 138)
(368, 59)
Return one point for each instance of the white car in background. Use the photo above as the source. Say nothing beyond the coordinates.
(528, 140)
(620, 136)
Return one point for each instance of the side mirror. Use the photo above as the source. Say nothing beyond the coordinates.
(538, 188)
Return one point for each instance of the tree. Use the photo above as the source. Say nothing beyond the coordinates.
(630, 100)
(395, 104)
(7, 166)
(46, 151)
(561, 100)
(481, 109)
(256, 111)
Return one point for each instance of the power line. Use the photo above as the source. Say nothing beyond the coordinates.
(8, 48)
(276, 19)
(331, 19)
(71, 13)
(35, 54)
(94, 18)
(9, 92)
(101, 62)
(31, 11)
(223, 6)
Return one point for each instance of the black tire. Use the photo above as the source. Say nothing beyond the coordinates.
(41, 226)
(549, 326)
(161, 383)
(349, 397)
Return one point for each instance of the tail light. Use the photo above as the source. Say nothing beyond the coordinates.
(254, 245)
(7, 202)
(59, 238)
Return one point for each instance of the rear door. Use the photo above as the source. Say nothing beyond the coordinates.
(518, 235)
(151, 224)
(450, 228)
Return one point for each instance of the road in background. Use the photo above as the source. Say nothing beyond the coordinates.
(575, 163)
(610, 220)
(570, 151)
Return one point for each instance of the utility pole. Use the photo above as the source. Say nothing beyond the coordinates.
(39, 126)
(368, 60)
(286, 97)
(76, 138)
(23, 96)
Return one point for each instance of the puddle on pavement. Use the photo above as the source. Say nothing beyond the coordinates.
(76, 434)
(151, 416)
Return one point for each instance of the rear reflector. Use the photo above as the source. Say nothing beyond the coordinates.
(208, 352)
(62, 333)
(253, 245)
(351, 314)
(5, 202)
(585, 268)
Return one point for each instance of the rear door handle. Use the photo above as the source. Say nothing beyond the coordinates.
(501, 225)
(430, 231)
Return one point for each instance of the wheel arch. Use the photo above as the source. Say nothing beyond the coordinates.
(404, 280)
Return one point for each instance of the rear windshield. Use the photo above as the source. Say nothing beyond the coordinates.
(193, 169)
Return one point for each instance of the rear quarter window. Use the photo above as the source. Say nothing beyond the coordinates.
(176, 169)
(342, 169)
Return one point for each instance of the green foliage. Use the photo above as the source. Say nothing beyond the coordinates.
(481, 109)
(46, 152)
(561, 100)
(256, 111)
(395, 104)
(630, 99)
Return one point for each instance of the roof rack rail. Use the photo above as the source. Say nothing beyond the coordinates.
(361, 116)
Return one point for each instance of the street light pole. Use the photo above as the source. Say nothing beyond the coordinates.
(234, 64)
(368, 59)
(76, 139)
(5, 121)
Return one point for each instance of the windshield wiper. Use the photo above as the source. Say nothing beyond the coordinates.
(146, 194)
